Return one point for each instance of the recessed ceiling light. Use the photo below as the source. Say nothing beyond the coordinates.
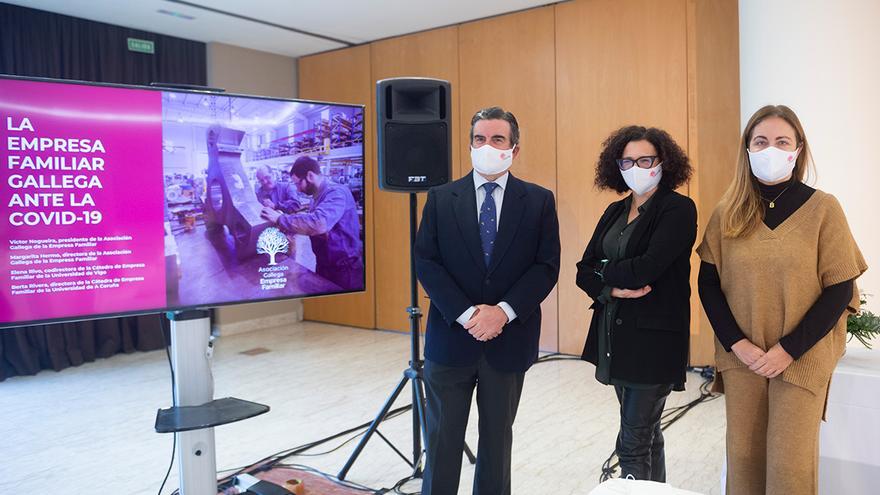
(175, 14)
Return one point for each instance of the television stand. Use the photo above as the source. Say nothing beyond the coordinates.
(195, 414)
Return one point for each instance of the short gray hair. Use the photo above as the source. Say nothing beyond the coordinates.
(265, 170)
(497, 113)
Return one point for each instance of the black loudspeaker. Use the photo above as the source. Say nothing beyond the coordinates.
(414, 133)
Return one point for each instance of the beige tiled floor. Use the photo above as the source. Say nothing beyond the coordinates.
(90, 429)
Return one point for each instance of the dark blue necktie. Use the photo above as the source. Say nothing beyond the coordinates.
(488, 222)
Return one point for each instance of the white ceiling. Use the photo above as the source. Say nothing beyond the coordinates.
(354, 21)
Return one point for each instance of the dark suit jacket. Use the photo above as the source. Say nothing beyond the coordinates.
(523, 270)
(651, 333)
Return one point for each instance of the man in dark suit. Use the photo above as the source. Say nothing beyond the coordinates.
(487, 253)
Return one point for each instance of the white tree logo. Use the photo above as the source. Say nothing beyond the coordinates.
(272, 242)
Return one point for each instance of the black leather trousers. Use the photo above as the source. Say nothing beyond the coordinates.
(640, 440)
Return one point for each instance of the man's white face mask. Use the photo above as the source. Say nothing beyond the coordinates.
(488, 160)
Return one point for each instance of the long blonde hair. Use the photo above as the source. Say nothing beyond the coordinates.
(743, 207)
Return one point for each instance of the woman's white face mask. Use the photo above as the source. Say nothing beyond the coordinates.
(642, 180)
(772, 164)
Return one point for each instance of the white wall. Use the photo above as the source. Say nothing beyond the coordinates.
(822, 58)
(251, 72)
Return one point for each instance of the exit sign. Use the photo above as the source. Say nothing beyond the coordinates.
(141, 46)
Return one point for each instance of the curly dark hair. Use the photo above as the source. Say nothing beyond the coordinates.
(676, 165)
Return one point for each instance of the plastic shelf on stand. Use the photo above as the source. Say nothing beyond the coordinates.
(215, 413)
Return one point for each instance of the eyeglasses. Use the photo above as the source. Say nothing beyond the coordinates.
(642, 162)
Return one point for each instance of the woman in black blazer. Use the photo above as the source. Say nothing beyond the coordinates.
(636, 268)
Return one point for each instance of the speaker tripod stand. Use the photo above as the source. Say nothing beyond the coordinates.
(413, 374)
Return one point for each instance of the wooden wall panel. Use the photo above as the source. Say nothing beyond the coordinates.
(344, 76)
(521, 78)
(572, 73)
(713, 111)
(427, 54)
(617, 63)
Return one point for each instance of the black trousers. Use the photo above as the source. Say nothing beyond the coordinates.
(449, 391)
(640, 440)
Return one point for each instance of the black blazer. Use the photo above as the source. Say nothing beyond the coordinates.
(651, 333)
(523, 271)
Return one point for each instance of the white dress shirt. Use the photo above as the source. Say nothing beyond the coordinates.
(498, 196)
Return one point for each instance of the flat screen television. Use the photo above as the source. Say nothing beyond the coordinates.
(127, 200)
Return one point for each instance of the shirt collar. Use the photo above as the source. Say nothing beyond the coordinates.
(323, 187)
(479, 180)
(645, 205)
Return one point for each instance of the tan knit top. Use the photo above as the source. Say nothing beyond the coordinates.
(771, 278)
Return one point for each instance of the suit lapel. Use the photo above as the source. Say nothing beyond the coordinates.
(465, 208)
(511, 214)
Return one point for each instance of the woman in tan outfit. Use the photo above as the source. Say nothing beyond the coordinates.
(777, 281)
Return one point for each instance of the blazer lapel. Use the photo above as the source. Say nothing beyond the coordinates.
(645, 221)
(605, 225)
(465, 208)
(511, 214)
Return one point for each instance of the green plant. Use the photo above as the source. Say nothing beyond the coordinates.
(863, 325)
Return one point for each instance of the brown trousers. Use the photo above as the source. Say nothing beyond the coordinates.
(772, 435)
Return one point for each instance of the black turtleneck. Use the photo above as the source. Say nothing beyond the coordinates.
(821, 317)
(786, 198)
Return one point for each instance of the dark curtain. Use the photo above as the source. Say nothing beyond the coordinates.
(42, 44)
